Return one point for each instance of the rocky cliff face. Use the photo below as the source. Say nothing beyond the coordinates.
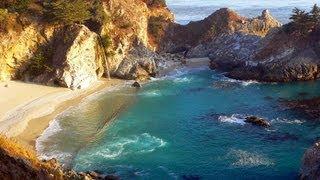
(278, 57)
(20, 39)
(311, 163)
(75, 56)
(204, 37)
(128, 30)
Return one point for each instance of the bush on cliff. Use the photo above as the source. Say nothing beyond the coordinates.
(155, 25)
(156, 3)
(303, 23)
(16, 5)
(68, 11)
(39, 62)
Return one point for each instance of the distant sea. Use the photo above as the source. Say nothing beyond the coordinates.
(193, 10)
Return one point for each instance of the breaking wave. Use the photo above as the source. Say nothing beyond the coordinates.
(137, 144)
(235, 118)
(287, 121)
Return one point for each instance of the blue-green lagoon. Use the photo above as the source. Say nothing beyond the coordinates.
(188, 125)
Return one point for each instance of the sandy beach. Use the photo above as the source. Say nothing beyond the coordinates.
(27, 109)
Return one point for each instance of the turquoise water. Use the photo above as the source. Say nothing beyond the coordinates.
(186, 126)
(192, 10)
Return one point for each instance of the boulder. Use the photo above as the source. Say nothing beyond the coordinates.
(138, 65)
(136, 84)
(257, 121)
(78, 58)
(310, 168)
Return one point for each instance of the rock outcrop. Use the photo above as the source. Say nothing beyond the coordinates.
(78, 59)
(20, 38)
(132, 44)
(278, 57)
(307, 107)
(204, 37)
(310, 168)
(257, 121)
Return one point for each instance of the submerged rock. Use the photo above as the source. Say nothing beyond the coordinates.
(257, 121)
(310, 168)
(308, 107)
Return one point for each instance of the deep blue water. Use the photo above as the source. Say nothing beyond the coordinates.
(192, 10)
(187, 126)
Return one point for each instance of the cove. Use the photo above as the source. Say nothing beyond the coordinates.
(188, 125)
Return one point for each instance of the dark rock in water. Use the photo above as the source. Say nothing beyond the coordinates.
(225, 85)
(303, 94)
(191, 177)
(193, 90)
(257, 121)
(309, 107)
(310, 168)
(111, 177)
(282, 137)
(136, 85)
(268, 98)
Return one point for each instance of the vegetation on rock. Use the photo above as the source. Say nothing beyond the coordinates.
(68, 11)
(304, 23)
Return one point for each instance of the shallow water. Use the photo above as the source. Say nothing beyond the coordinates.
(192, 10)
(188, 126)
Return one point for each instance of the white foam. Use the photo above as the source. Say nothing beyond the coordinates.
(248, 159)
(137, 144)
(151, 93)
(182, 80)
(287, 121)
(243, 83)
(235, 118)
(54, 128)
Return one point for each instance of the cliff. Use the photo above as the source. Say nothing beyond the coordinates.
(75, 55)
(310, 163)
(201, 38)
(283, 55)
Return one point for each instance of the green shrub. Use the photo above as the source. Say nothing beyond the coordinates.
(68, 11)
(155, 25)
(303, 23)
(3, 14)
(16, 5)
(106, 41)
(156, 3)
(39, 62)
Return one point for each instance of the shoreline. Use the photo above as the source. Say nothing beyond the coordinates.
(26, 121)
(29, 118)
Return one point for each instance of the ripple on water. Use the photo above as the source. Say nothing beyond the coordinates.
(248, 159)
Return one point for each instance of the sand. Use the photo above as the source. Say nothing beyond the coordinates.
(27, 109)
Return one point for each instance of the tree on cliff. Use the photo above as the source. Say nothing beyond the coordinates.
(68, 11)
(301, 21)
(315, 14)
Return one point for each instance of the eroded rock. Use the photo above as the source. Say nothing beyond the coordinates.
(310, 168)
